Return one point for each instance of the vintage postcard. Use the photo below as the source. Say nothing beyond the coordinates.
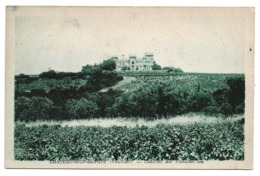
(129, 87)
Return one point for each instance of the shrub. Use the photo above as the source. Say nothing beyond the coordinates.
(100, 80)
(198, 101)
(21, 76)
(49, 75)
(240, 108)
(226, 109)
(83, 108)
(236, 94)
(155, 66)
(32, 108)
(108, 64)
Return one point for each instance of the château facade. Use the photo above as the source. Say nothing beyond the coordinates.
(133, 63)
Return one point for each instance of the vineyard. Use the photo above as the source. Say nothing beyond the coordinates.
(206, 82)
(221, 141)
(51, 84)
(106, 95)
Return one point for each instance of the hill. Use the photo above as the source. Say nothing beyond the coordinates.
(150, 95)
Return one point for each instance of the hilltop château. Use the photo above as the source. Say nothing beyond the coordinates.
(133, 63)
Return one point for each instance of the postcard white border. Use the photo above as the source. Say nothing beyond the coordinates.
(9, 103)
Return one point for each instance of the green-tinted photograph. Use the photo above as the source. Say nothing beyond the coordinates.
(129, 85)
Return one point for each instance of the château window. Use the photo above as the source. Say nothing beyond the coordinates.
(133, 62)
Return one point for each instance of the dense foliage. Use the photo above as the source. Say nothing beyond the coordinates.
(172, 69)
(124, 68)
(64, 91)
(108, 64)
(155, 66)
(47, 85)
(100, 80)
(180, 95)
(145, 96)
(82, 108)
(51, 74)
(32, 109)
(224, 141)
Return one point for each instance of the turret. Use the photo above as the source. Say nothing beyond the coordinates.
(132, 60)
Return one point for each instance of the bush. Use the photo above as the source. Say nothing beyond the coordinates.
(30, 109)
(21, 76)
(151, 100)
(49, 75)
(123, 107)
(230, 100)
(83, 108)
(226, 109)
(100, 80)
(212, 110)
(91, 70)
(171, 100)
(145, 96)
(172, 69)
(155, 66)
(108, 64)
(198, 100)
(240, 108)
(236, 94)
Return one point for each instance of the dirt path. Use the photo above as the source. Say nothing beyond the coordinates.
(126, 80)
(132, 122)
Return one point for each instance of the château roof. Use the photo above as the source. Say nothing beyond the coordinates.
(123, 60)
(132, 55)
(148, 54)
(140, 59)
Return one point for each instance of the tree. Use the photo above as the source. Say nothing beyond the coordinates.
(86, 68)
(168, 69)
(32, 109)
(198, 100)
(172, 69)
(49, 74)
(100, 80)
(156, 66)
(139, 103)
(167, 102)
(172, 100)
(236, 94)
(22, 105)
(21, 76)
(105, 101)
(83, 108)
(124, 68)
(230, 100)
(90, 70)
(108, 64)
(178, 70)
(144, 98)
(123, 106)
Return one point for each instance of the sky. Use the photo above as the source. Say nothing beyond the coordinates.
(193, 39)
